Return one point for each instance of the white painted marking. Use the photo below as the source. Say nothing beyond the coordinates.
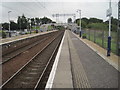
(54, 68)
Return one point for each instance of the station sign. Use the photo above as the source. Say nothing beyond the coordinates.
(109, 12)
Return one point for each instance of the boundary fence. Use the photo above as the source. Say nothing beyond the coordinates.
(100, 37)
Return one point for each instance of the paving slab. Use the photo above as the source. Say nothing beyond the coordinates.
(81, 67)
(62, 76)
(100, 73)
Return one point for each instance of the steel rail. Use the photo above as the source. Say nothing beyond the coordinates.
(22, 51)
(13, 76)
(42, 75)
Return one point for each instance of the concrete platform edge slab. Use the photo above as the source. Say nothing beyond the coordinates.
(59, 77)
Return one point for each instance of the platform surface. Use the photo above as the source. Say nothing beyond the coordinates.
(82, 67)
(20, 37)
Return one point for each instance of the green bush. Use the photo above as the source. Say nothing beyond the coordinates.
(84, 35)
(99, 26)
(3, 34)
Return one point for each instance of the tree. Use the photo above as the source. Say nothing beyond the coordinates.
(13, 25)
(114, 23)
(97, 26)
(77, 21)
(69, 20)
(85, 20)
(5, 26)
(95, 20)
(22, 22)
(83, 24)
(37, 21)
(32, 21)
(45, 20)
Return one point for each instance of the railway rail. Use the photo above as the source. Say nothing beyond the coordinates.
(8, 55)
(23, 58)
(35, 72)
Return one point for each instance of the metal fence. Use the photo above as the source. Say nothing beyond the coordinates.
(100, 37)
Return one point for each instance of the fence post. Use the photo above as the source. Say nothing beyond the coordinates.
(94, 36)
(89, 34)
(103, 38)
(118, 43)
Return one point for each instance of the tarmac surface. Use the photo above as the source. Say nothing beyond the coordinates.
(78, 63)
(100, 74)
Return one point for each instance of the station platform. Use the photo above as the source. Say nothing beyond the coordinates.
(20, 37)
(79, 65)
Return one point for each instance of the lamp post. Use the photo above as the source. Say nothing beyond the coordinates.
(30, 24)
(35, 24)
(79, 11)
(109, 13)
(9, 22)
(20, 23)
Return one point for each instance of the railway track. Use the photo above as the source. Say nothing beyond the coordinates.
(12, 55)
(23, 58)
(35, 72)
(8, 56)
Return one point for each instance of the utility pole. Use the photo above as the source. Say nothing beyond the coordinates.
(79, 11)
(27, 21)
(9, 22)
(35, 24)
(30, 25)
(109, 13)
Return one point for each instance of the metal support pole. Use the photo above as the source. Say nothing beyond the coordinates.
(9, 23)
(94, 36)
(109, 37)
(118, 36)
(79, 11)
(30, 25)
(35, 25)
(80, 24)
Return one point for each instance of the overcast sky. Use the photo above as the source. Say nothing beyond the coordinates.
(41, 8)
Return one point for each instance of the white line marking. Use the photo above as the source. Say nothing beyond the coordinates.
(54, 68)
